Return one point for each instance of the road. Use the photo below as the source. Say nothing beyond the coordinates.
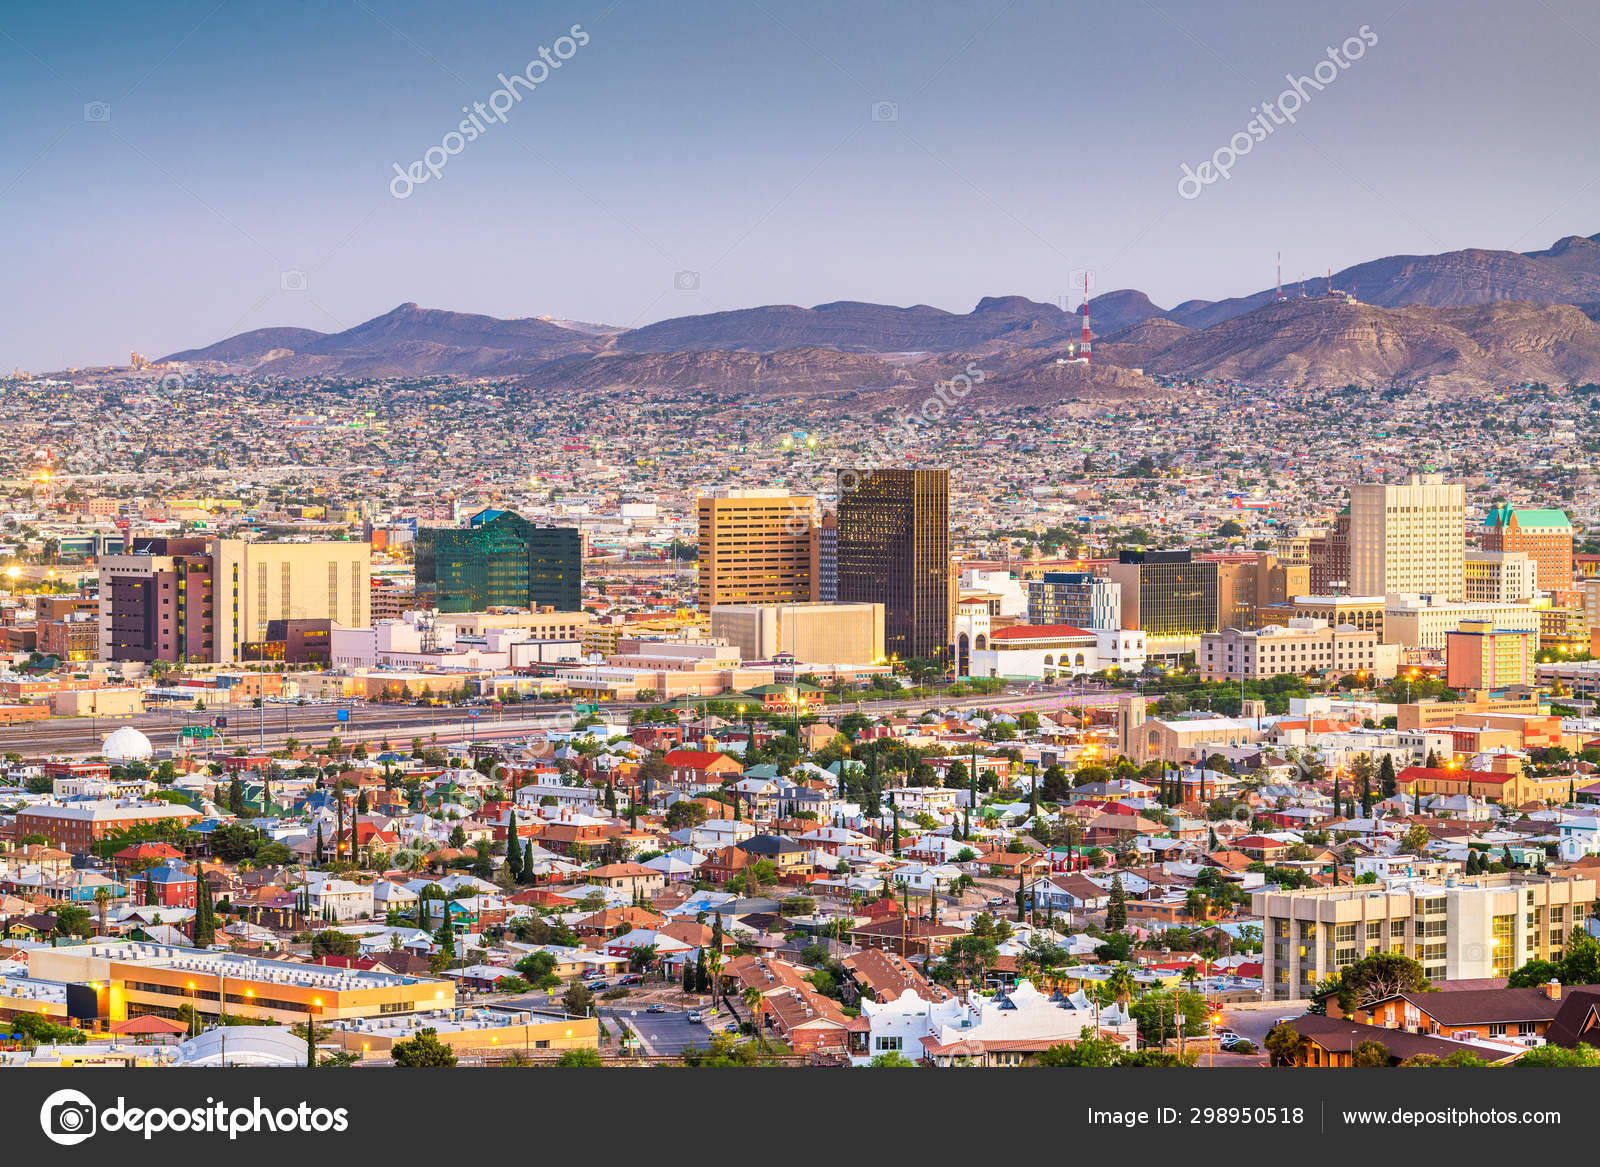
(664, 1034)
(371, 724)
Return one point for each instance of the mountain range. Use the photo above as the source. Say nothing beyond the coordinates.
(1464, 318)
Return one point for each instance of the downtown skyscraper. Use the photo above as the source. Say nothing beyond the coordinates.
(894, 550)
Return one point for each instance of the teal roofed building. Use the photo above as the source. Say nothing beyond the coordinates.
(1543, 534)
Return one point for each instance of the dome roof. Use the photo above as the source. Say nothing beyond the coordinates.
(127, 745)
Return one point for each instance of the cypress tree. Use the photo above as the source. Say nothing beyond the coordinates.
(527, 862)
(702, 977)
(1117, 910)
(513, 850)
(150, 891)
(321, 858)
(205, 923)
(688, 977)
(1386, 776)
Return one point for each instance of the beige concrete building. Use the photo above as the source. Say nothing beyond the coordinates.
(1483, 926)
(848, 634)
(541, 625)
(1304, 645)
(1500, 577)
(1361, 612)
(1409, 537)
(756, 548)
(1418, 622)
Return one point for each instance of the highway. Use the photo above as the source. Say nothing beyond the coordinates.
(371, 724)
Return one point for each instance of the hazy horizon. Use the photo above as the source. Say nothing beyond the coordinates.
(168, 178)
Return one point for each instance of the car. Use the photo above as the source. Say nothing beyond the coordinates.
(695, 1018)
(658, 1008)
(596, 984)
(631, 979)
(1229, 1040)
(997, 901)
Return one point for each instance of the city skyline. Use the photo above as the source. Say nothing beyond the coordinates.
(1028, 158)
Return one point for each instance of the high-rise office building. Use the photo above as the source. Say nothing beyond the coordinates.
(894, 550)
(1077, 598)
(209, 600)
(1408, 538)
(1328, 557)
(1544, 534)
(825, 557)
(499, 559)
(1167, 594)
(756, 547)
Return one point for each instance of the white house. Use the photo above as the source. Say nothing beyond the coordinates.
(984, 1031)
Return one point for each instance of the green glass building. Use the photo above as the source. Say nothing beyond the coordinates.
(499, 560)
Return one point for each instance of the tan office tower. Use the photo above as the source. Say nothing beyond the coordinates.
(1409, 538)
(755, 548)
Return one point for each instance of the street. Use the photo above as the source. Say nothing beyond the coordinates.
(664, 1034)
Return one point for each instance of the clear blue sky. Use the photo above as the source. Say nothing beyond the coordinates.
(736, 139)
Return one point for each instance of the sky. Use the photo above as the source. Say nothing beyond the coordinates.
(175, 173)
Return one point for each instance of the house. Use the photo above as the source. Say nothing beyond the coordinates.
(1331, 1041)
(172, 884)
(340, 899)
(702, 768)
(906, 936)
(1066, 893)
(785, 854)
(803, 1017)
(634, 878)
(1517, 1015)
(883, 976)
(1012, 864)
(1009, 1029)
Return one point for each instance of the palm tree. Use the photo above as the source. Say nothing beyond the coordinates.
(1120, 984)
(102, 897)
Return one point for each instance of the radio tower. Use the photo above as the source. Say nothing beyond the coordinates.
(1087, 359)
(1279, 294)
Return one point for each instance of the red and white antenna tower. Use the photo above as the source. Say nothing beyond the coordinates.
(1279, 294)
(1087, 359)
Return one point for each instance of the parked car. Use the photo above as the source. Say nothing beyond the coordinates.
(695, 1018)
(631, 979)
(594, 986)
(997, 901)
(656, 1009)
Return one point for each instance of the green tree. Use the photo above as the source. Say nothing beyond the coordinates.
(1117, 908)
(1371, 1053)
(579, 1059)
(1283, 1044)
(893, 1060)
(205, 919)
(425, 1049)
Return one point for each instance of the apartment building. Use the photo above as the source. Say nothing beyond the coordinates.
(1469, 929)
(1480, 656)
(1078, 598)
(210, 600)
(1408, 537)
(757, 547)
(1304, 645)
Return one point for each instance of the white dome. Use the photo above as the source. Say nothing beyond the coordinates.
(127, 745)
